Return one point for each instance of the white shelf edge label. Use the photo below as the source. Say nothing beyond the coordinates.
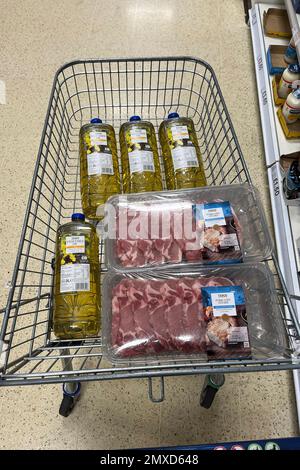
(260, 62)
(276, 182)
(264, 95)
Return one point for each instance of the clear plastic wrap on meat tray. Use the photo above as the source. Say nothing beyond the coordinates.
(164, 315)
(211, 225)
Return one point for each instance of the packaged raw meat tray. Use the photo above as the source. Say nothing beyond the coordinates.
(211, 225)
(220, 313)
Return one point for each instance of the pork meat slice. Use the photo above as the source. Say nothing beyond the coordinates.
(160, 328)
(195, 328)
(115, 319)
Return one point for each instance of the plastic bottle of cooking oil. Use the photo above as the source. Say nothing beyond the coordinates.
(76, 302)
(181, 153)
(139, 155)
(99, 169)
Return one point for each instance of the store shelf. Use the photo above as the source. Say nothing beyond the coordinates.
(285, 240)
(275, 141)
(286, 217)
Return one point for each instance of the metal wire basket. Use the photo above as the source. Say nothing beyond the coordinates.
(114, 90)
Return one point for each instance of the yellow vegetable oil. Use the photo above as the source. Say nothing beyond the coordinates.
(139, 155)
(99, 169)
(181, 153)
(76, 302)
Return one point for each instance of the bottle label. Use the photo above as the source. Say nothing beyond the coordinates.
(180, 132)
(184, 157)
(75, 244)
(138, 136)
(100, 164)
(75, 277)
(75, 266)
(98, 138)
(140, 161)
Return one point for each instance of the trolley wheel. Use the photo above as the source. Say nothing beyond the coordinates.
(211, 385)
(69, 400)
(66, 405)
(207, 396)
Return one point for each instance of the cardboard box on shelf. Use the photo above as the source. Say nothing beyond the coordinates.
(275, 59)
(276, 23)
(275, 82)
(291, 131)
(286, 160)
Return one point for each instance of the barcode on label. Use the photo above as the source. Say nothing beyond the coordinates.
(109, 171)
(82, 286)
(192, 163)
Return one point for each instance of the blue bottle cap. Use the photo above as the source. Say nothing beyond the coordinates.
(78, 216)
(294, 68)
(135, 118)
(96, 121)
(173, 115)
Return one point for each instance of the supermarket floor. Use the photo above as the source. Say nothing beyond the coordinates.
(37, 37)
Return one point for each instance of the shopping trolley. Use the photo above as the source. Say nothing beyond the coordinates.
(114, 90)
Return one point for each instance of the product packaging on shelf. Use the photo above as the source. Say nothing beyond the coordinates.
(215, 313)
(276, 23)
(209, 225)
(292, 130)
(275, 82)
(275, 59)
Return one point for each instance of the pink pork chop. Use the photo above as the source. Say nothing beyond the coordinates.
(152, 317)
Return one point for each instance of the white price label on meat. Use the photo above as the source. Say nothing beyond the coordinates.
(223, 304)
(138, 136)
(98, 138)
(75, 277)
(75, 244)
(100, 164)
(184, 157)
(229, 240)
(180, 132)
(238, 334)
(140, 161)
(214, 216)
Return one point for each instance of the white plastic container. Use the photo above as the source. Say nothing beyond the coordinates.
(209, 225)
(291, 107)
(160, 316)
(291, 73)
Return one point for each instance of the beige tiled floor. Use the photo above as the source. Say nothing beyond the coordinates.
(37, 37)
